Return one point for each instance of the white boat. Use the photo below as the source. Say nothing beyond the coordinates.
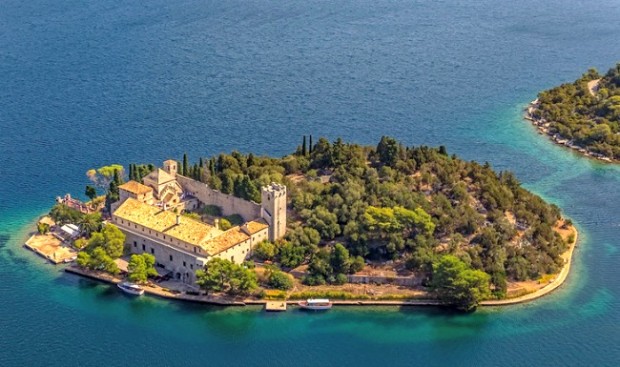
(315, 304)
(131, 288)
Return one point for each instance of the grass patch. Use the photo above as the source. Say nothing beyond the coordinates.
(329, 294)
(273, 294)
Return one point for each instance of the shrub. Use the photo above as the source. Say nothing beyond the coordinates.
(279, 280)
(212, 210)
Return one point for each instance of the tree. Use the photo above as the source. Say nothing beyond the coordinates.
(114, 244)
(90, 192)
(90, 223)
(458, 285)
(214, 276)
(102, 176)
(339, 259)
(185, 165)
(225, 224)
(325, 222)
(62, 214)
(290, 254)
(246, 189)
(303, 147)
(220, 275)
(265, 250)
(278, 279)
(141, 267)
(43, 228)
(387, 150)
(97, 260)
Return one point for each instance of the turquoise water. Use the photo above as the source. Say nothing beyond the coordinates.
(86, 83)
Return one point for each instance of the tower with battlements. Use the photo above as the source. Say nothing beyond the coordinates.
(273, 209)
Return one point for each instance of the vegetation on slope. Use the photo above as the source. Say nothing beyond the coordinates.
(409, 205)
(589, 121)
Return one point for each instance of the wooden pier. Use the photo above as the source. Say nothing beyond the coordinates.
(275, 306)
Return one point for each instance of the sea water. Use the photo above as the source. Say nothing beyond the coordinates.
(88, 83)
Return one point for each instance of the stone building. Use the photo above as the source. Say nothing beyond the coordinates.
(149, 215)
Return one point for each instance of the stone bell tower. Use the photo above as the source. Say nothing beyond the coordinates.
(170, 166)
(273, 209)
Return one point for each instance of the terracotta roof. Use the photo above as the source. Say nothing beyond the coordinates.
(163, 221)
(256, 225)
(159, 176)
(225, 241)
(135, 187)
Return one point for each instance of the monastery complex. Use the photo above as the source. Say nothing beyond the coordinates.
(149, 214)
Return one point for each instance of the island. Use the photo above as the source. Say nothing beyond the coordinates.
(384, 224)
(583, 115)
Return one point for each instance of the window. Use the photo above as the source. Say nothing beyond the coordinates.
(152, 251)
(143, 247)
(184, 264)
(135, 244)
(232, 258)
(170, 257)
(191, 266)
(164, 237)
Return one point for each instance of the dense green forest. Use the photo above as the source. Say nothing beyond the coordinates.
(411, 206)
(589, 121)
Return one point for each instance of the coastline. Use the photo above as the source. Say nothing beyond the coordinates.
(543, 125)
(550, 287)
(228, 301)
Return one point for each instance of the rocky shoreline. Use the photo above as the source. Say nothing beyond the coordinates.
(544, 128)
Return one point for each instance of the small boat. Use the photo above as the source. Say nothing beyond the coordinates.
(131, 288)
(315, 304)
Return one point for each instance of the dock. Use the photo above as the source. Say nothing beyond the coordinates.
(51, 248)
(275, 306)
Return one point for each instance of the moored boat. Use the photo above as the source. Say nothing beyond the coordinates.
(315, 304)
(131, 288)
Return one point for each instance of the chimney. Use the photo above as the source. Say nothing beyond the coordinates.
(178, 219)
(216, 223)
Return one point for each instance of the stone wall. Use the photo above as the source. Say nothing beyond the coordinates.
(230, 205)
(410, 281)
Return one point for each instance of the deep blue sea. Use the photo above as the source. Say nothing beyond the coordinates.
(86, 83)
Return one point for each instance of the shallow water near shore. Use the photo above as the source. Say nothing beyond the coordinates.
(92, 83)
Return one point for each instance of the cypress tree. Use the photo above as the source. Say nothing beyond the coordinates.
(303, 147)
(131, 171)
(117, 178)
(250, 160)
(310, 150)
(212, 166)
(185, 168)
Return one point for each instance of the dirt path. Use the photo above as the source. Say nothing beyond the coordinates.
(593, 86)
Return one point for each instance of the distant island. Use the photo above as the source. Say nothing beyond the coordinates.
(363, 224)
(583, 115)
